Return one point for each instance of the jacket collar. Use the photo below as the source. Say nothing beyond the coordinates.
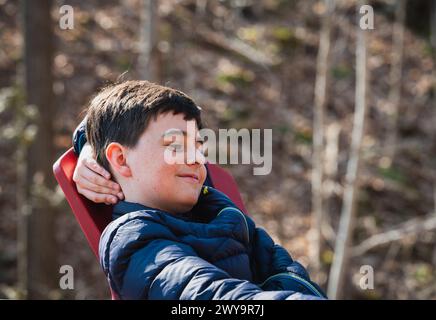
(123, 207)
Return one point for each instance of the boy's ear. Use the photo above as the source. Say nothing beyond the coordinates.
(116, 155)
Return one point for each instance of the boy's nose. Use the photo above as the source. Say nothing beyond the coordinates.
(195, 157)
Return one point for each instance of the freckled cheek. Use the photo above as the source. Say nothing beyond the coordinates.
(161, 185)
(166, 175)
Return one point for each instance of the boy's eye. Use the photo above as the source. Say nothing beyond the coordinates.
(204, 149)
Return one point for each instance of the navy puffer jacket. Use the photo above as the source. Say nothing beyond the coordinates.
(212, 252)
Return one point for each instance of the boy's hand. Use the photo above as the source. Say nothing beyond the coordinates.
(93, 181)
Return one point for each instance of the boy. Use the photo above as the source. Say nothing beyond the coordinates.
(173, 236)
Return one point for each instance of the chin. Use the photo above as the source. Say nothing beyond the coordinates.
(183, 208)
(189, 201)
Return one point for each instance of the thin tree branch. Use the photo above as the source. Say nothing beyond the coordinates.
(409, 227)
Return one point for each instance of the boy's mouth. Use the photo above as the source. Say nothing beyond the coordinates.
(190, 177)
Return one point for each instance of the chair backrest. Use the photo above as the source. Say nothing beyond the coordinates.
(93, 218)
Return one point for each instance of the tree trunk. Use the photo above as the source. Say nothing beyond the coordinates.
(433, 147)
(395, 78)
(318, 133)
(149, 58)
(346, 224)
(41, 272)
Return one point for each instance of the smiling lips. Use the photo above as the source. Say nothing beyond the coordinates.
(190, 177)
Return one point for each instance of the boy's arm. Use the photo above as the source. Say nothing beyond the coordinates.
(271, 264)
(189, 277)
(276, 268)
(268, 257)
(92, 180)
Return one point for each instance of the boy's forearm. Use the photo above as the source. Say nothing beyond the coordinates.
(271, 258)
(79, 137)
(278, 271)
(86, 151)
(208, 282)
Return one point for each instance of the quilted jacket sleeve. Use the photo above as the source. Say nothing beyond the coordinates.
(276, 270)
(139, 267)
(273, 267)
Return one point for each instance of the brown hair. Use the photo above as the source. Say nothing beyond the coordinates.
(121, 113)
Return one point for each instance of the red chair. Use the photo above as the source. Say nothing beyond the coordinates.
(93, 218)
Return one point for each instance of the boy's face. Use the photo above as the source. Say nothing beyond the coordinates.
(154, 181)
